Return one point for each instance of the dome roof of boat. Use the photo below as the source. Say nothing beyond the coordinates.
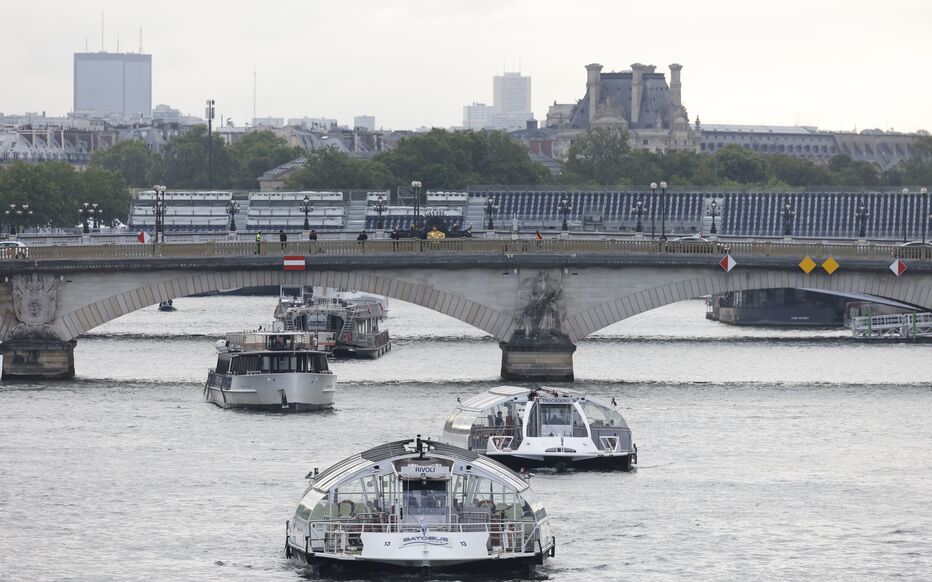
(397, 450)
(499, 394)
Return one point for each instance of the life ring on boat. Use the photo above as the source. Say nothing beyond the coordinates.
(352, 506)
(487, 503)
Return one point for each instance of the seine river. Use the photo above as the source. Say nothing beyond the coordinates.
(764, 454)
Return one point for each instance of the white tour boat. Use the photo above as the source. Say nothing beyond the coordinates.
(418, 504)
(271, 370)
(543, 427)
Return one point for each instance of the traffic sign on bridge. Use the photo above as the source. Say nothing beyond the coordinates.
(898, 267)
(727, 263)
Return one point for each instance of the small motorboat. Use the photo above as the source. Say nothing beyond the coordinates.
(544, 427)
(273, 370)
(415, 505)
(167, 306)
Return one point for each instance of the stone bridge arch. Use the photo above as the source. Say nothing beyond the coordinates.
(71, 324)
(686, 284)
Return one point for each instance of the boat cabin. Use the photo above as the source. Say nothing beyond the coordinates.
(420, 491)
(511, 419)
(269, 352)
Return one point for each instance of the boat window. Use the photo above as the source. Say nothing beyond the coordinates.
(533, 422)
(556, 419)
(223, 363)
(315, 322)
(356, 497)
(265, 363)
(599, 415)
(425, 496)
(474, 495)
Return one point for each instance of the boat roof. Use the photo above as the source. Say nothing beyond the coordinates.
(397, 450)
(499, 394)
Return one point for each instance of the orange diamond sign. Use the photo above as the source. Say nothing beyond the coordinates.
(830, 265)
(807, 265)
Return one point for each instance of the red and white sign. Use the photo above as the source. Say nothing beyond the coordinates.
(727, 263)
(294, 263)
(143, 237)
(898, 267)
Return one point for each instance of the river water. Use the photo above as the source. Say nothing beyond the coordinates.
(767, 454)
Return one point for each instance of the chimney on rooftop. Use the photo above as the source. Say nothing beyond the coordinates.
(593, 86)
(676, 87)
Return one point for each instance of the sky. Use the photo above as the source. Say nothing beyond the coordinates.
(836, 64)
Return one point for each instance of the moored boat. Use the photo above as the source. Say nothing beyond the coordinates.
(545, 427)
(418, 504)
(346, 323)
(270, 370)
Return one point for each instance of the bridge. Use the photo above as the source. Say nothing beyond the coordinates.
(538, 298)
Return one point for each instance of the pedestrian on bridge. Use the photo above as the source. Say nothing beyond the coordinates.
(282, 237)
(259, 243)
(312, 235)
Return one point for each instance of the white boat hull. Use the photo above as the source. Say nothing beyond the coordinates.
(289, 391)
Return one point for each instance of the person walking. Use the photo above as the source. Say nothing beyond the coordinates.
(259, 243)
(282, 237)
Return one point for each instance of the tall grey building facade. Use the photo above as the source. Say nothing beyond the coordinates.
(107, 84)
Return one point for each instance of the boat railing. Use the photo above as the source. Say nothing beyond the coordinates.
(345, 536)
(480, 437)
(611, 438)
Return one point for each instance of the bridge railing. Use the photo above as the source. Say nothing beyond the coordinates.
(476, 246)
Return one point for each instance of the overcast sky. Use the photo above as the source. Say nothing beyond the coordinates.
(836, 64)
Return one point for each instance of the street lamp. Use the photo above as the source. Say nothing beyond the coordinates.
(232, 210)
(158, 209)
(380, 207)
(564, 207)
(925, 212)
(638, 210)
(306, 208)
(663, 211)
(788, 214)
(95, 217)
(87, 212)
(713, 210)
(862, 215)
(653, 203)
(416, 187)
(210, 146)
(490, 209)
(905, 193)
(16, 214)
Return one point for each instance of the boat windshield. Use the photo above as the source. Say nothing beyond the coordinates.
(557, 417)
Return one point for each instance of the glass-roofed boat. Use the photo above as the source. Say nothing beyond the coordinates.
(543, 427)
(416, 504)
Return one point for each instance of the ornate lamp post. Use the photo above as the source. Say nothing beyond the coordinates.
(905, 193)
(653, 203)
(232, 210)
(925, 212)
(638, 210)
(862, 215)
(663, 211)
(16, 214)
(416, 187)
(564, 207)
(490, 209)
(96, 212)
(714, 211)
(87, 211)
(788, 214)
(380, 207)
(158, 209)
(306, 208)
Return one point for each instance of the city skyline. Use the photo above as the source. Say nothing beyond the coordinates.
(863, 72)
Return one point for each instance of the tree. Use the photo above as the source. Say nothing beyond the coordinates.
(256, 153)
(599, 156)
(847, 172)
(131, 159)
(329, 168)
(55, 190)
(452, 160)
(738, 164)
(797, 172)
(182, 162)
(917, 170)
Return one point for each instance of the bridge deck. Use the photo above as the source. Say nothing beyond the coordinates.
(474, 246)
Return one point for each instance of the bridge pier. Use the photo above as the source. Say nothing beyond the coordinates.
(545, 358)
(37, 358)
